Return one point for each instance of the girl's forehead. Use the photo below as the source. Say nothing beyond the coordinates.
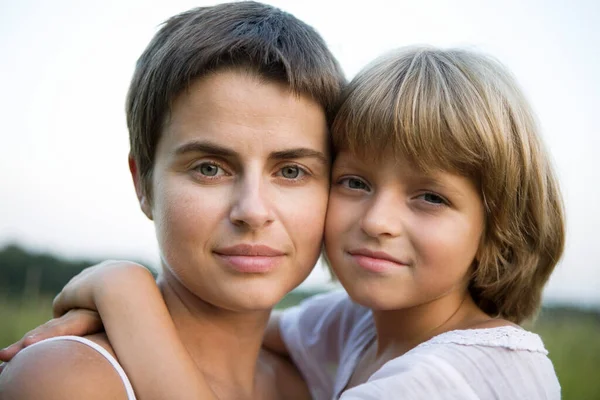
(389, 158)
(400, 165)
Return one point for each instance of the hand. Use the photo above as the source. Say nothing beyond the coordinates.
(74, 307)
(82, 289)
(77, 322)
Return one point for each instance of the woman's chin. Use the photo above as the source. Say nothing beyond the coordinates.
(250, 299)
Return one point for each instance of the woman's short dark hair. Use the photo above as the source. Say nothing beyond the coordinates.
(249, 35)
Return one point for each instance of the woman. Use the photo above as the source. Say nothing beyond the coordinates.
(227, 115)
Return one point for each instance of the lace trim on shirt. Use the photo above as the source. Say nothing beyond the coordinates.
(508, 337)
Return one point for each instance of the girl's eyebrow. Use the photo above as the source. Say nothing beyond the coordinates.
(219, 150)
(437, 183)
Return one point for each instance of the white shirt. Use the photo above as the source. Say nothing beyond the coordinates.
(327, 334)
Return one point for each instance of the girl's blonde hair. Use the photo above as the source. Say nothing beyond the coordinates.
(462, 112)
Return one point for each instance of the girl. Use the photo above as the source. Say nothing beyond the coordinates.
(444, 223)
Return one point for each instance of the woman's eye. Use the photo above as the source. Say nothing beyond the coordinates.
(355, 184)
(433, 198)
(209, 169)
(291, 172)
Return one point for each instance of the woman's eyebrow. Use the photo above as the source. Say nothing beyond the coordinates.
(205, 147)
(300, 152)
(219, 150)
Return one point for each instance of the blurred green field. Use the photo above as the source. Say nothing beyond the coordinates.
(572, 337)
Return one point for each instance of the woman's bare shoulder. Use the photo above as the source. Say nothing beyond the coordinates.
(61, 369)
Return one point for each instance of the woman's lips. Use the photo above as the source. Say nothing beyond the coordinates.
(248, 258)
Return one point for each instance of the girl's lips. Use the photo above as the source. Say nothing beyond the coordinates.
(375, 261)
(374, 264)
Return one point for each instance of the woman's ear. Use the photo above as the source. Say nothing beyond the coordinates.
(140, 188)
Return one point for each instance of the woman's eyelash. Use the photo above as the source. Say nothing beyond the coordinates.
(292, 172)
(209, 169)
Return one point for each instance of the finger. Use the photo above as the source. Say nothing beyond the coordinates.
(66, 298)
(76, 322)
(33, 336)
(83, 322)
(62, 302)
(57, 307)
(9, 352)
(50, 329)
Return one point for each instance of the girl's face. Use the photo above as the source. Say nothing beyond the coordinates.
(399, 238)
(240, 187)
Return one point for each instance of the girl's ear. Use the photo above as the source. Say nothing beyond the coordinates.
(139, 188)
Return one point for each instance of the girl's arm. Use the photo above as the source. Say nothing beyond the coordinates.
(139, 329)
(76, 314)
(81, 322)
(76, 322)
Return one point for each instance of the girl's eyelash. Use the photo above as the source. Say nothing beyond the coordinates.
(442, 200)
(347, 179)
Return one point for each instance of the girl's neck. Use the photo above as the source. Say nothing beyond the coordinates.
(400, 330)
(224, 344)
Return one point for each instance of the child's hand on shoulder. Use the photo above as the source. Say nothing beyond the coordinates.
(85, 289)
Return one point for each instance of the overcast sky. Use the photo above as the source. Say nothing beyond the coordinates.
(65, 68)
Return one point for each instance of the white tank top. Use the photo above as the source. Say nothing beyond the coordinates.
(105, 354)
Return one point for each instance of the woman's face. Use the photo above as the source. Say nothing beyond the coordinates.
(240, 188)
(397, 237)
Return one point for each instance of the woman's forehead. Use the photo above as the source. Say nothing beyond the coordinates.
(239, 111)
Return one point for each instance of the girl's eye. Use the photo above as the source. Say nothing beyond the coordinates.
(433, 198)
(209, 169)
(292, 172)
(355, 184)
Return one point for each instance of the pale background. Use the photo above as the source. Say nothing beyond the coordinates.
(65, 68)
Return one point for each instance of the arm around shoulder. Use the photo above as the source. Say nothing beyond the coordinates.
(60, 369)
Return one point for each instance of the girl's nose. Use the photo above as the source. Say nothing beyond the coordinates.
(383, 217)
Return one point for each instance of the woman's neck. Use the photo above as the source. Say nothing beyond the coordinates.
(224, 344)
